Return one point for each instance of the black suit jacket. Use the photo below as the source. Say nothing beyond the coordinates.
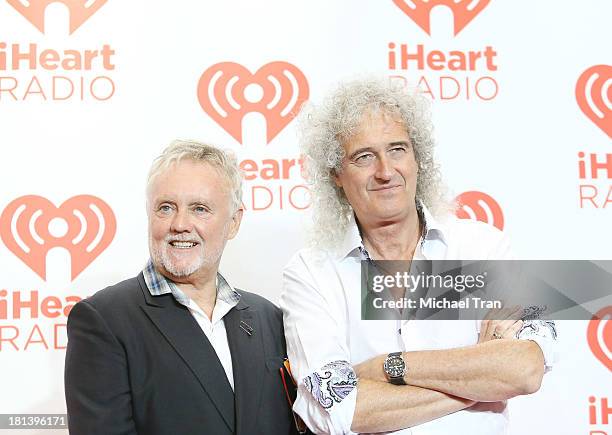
(140, 364)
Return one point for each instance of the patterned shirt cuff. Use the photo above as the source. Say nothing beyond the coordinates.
(544, 333)
(331, 384)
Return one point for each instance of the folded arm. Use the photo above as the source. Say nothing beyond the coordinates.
(331, 398)
(487, 372)
(383, 407)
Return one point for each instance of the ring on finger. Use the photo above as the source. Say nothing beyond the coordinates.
(497, 335)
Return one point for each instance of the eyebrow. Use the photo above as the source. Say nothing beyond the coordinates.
(359, 151)
(371, 149)
(192, 202)
(162, 199)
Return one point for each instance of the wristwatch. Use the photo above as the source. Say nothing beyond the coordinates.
(395, 368)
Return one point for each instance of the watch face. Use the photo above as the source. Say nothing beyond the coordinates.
(395, 367)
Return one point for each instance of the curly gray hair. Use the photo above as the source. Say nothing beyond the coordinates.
(325, 128)
(223, 160)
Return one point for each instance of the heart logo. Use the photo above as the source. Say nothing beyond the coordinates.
(464, 11)
(594, 96)
(227, 91)
(599, 336)
(481, 207)
(34, 11)
(31, 225)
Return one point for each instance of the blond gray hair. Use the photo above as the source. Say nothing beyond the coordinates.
(325, 128)
(223, 160)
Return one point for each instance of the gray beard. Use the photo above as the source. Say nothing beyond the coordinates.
(161, 257)
(167, 264)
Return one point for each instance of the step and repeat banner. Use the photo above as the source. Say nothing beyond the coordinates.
(92, 90)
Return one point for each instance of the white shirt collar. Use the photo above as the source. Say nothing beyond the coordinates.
(434, 230)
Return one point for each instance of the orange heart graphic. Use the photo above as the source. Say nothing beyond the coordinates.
(34, 11)
(464, 11)
(480, 206)
(594, 96)
(227, 91)
(599, 336)
(90, 227)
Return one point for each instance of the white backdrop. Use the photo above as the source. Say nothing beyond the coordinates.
(514, 131)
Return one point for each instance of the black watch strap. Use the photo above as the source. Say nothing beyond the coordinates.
(399, 380)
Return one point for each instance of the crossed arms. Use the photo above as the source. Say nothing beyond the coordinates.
(440, 382)
(444, 381)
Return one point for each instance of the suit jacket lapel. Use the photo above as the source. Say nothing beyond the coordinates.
(182, 331)
(248, 363)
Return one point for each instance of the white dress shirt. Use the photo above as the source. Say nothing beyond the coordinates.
(215, 332)
(321, 303)
(214, 328)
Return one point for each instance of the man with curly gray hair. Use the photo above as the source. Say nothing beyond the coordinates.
(378, 195)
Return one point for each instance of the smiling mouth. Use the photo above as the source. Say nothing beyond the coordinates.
(182, 244)
(385, 188)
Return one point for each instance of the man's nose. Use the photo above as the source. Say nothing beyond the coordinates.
(384, 170)
(181, 222)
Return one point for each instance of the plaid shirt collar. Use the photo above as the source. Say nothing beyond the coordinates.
(160, 285)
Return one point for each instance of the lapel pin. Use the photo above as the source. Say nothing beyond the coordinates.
(246, 327)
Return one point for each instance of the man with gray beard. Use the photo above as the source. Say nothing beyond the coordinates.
(177, 349)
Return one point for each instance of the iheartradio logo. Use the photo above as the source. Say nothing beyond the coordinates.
(227, 91)
(481, 207)
(599, 336)
(464, 11)
(34, 11)
(594, 96)
(31, 225)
